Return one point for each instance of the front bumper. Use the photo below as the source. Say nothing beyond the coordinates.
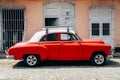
(111, 54)
(8, 56)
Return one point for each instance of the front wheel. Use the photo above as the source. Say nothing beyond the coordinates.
(31, 60)
(98, 59)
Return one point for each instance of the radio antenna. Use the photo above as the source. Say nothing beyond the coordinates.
(46, 30)
(68, 29)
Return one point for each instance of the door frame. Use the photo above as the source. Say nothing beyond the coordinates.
(1, 24)
(100, 23)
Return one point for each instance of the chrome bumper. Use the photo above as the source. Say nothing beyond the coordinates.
(111, 54)
(8, 56)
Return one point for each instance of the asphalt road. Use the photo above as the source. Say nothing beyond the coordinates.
(54, 70)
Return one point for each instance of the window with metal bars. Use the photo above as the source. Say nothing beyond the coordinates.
(12, 26)
(95, 29)
(106, 28)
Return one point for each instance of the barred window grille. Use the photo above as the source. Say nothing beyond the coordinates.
(95, 29)
(106, 29)
(12, 27)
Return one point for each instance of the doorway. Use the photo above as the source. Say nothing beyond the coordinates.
(12, 27)
(101, 24)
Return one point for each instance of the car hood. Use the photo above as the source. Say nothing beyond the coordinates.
(92, 41)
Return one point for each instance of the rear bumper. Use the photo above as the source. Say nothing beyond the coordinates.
(8, 56)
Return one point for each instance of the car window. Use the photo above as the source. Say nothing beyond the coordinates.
(67, 37)
(50, 37)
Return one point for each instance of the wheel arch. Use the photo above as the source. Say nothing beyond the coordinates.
(97, 52)
(40, 51)
(32, 61)
(96, 63)
(25, 55)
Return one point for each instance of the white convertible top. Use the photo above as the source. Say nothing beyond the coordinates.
(38, 35)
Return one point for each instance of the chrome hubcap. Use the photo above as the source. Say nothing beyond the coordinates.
(31, 60)
(99, 59)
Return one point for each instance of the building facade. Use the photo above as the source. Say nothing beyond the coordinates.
(91, 19)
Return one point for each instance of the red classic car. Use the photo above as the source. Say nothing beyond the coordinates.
(59, 45)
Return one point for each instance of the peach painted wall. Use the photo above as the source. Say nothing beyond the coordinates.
(34, 17)
(82, 18)
(117, 24)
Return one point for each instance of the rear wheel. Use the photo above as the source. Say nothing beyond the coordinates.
(32, 60)
(98, 59)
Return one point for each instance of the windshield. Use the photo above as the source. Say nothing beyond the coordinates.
(37, 36)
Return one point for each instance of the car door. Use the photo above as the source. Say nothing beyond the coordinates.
(51, 42)
(70, 48)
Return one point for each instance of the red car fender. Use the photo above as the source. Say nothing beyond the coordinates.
(20, 52)
(89, 51)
